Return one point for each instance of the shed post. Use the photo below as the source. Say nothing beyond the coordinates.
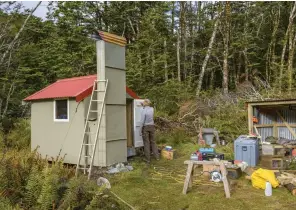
(250, 118)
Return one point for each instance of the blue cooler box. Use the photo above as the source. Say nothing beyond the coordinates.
(247, 150)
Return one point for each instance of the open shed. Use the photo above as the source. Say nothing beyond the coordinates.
(275, 118)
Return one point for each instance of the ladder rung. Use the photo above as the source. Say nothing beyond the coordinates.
(87, 156)
(97, 100)
(93, 110)
(101, 80)
(90, 132)
(100, 90)
(88, 144)
(91, 120)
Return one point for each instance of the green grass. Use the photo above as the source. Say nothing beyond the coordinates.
(159, 186)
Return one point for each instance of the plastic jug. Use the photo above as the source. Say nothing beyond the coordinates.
(268, 189)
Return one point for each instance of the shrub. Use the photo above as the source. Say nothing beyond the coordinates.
(230, 120)
(1, 139)
(20, 136)
(166, 97)
(174, 138)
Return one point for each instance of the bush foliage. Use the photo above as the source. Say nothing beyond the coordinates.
(30, 182)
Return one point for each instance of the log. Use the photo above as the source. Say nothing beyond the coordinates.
(291, 188)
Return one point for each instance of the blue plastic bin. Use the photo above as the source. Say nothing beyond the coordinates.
(247, 150)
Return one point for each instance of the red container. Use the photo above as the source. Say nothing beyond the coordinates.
(199, 155)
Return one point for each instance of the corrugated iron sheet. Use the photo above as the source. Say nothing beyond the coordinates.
(288, 115)
(265, 118)
(265, 132)
(285, 133)
(76, 87)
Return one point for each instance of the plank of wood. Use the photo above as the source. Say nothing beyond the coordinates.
(286, 124)
(188, 177)
(274, 125)
(201, 162)
(250, 118)
(256, 130)
(257, 133)
(225, 180)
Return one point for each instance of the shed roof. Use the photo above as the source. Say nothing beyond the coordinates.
(273, 101)
(76, 87)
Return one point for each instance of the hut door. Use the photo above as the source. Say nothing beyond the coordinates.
(138, 141)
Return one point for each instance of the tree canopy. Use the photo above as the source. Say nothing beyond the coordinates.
(174, 48)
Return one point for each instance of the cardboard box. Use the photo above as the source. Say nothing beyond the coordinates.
(169, 155)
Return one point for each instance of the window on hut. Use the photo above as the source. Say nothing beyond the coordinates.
(61, 110)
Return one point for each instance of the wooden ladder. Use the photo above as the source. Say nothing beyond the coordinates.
(87, 146)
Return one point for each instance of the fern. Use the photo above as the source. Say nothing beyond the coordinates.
(79, 193)
(94, 204)
(104, 201)
(5, 204)
(48, 194)
(33, 187)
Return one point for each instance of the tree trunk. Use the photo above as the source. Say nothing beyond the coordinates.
(178, 57)
(166, 76)
(153, 63)
(18, 33)
(270, 61)
(239, 68)
(291, 18)
(245, 51)
(199, 15)
(292, 40)
(209, 51)
(9, 94)
(226, 49)
(173, 18)
(212, 79)
(173, 32)
(183, 36)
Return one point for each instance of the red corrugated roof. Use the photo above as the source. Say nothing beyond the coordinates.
(76, 87)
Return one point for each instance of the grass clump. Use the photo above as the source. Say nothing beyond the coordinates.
(174, 138)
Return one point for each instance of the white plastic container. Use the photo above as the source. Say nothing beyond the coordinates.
(268, 189)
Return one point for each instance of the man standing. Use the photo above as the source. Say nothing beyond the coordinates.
(148, 130)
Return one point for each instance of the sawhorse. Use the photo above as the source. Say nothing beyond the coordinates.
(190, 170)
